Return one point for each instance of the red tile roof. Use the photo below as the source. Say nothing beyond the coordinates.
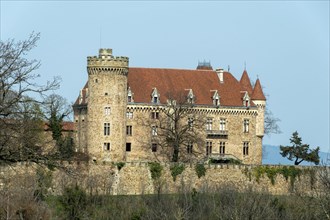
(246, 83)
(257, 92)
(177, 81)
(66, 126)
(174, 82)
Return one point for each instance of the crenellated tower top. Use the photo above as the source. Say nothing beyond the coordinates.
(106, 62)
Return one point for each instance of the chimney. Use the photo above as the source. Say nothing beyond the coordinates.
(220, 74)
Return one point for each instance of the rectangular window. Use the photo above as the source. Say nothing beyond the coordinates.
(209, 124)
(128, 147)
(222, 147)
(129, 130)
(154, 130)
(245, 148)
(154, 147)
(107, 110)
(190, 148)
(154, 115)
(208, 148)
(106, 146)
(106, 129)
(246, 125)
(155, 99)
(222, 124)
(129, 98)
(129, 115)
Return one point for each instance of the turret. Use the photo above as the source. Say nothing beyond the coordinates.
(107, 102)
(259, 100)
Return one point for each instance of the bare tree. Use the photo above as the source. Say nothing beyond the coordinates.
(17, 108)
(178, 129)
(271, 123)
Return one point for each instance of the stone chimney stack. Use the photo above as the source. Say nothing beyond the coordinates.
(219, 72)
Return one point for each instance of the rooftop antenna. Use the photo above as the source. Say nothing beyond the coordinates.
(244, 65)
(228, 68)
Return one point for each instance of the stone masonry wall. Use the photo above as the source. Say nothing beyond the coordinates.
(135, 178)
(141, 138)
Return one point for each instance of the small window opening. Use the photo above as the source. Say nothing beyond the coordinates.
(128, 147)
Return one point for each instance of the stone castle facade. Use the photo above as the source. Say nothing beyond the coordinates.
(120, 113)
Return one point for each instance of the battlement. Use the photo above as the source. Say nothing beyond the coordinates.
(106, 59)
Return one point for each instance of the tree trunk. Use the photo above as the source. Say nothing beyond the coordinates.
(175, 157)
(296, 162)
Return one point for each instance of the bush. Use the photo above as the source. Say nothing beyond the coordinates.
(200, 170)
(177, 169)
(120, 165)
(155, 169)
(74, 202)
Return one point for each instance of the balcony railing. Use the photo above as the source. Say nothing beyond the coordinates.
(216, 133)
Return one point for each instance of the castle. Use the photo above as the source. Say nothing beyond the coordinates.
(120, 113)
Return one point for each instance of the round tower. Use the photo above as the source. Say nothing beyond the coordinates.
(259, 100)
(107, 102)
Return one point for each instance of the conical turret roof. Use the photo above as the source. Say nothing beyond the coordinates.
(246, 83)
(257, 92)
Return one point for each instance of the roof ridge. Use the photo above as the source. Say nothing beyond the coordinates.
(159, 68)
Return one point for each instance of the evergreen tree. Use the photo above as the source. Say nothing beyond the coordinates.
(300, 152)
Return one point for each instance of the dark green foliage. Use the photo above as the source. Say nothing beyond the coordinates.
(200, 170)
(66, 147)
(271, 172)
(55, 125)
(176, 170)
(74, 202)
(120, 165)
(156, 170)
(222, 203)
(300, 152)
(56, 109)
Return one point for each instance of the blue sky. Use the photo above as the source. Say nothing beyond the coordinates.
(285, 44)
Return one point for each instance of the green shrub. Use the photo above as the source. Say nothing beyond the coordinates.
(120, 165)
(74, 202)
(289, 173)
(155, 169)
(200, 170)
(176, 170)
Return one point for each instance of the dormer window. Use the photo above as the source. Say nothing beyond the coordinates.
(130, 95)
(155, 96)
(216, 98)
(190, 97)
(246, 100)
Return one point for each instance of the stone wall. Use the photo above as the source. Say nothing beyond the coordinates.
(141, 138)
(135, 178)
